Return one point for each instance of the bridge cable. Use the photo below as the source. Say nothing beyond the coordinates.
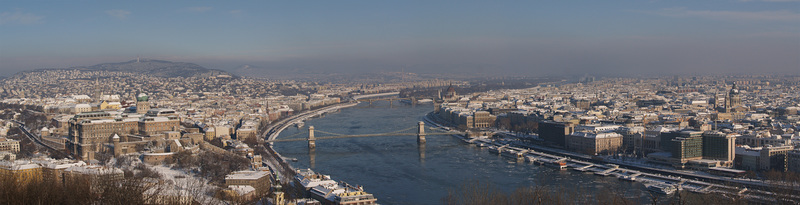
(294, 135)
(330, 133)
(393, 132)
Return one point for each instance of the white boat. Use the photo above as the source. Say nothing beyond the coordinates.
(424, 101)
(661, 188)
(323, 188)
(511, 153)
(495, 150)
(627, 178)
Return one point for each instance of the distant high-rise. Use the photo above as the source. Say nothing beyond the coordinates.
(687, 148)
(718, 146)
(555, 132)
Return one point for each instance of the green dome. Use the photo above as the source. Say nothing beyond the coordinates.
(142, 97)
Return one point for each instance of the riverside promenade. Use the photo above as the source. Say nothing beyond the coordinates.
(275, 160)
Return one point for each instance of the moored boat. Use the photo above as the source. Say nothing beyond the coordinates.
(560, 164)
(661, 188)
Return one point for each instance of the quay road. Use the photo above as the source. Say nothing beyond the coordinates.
(764, 191)
(275, 160)
(271, 132)
(676, 173)
(645, 176)
(36, 140)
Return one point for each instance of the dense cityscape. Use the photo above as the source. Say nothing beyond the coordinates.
(209, 139)
(400, 102)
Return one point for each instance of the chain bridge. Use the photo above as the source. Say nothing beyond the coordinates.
(413, 100)
(420, 133)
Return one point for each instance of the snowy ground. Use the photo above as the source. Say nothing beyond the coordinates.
(175, 181)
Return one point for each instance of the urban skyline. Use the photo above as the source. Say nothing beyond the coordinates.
(412, 102)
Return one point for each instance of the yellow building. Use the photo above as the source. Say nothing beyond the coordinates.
(106, 105)
(21, 171)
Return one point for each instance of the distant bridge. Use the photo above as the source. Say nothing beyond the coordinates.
(388, 97)
(420, 133)
(375, 95)
(390, 100)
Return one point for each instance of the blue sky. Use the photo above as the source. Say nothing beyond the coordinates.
(504, 37)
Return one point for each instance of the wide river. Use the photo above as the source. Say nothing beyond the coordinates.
(396, 171)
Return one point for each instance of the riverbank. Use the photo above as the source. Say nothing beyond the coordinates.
(758, 191)
(275, 160)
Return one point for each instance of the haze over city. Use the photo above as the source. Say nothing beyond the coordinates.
(400, 102)
(487, 38)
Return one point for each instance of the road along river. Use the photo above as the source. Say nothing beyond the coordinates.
(398, 171)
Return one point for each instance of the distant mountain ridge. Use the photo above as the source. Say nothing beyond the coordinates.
(158, 68)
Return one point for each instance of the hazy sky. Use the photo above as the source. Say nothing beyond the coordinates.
(500, 37)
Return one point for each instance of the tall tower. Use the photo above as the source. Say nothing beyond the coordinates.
(713, 101)
(734, 98)
(142, 103)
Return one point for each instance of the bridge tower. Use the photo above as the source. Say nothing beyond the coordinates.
(421, 133)
(311, 139)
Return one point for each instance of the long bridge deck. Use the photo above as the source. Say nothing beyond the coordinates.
(420, 133)
(361, 135)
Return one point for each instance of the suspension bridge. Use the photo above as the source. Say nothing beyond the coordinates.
(413, 100)
(420, 133)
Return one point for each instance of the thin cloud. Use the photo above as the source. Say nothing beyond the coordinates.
(19, 17)
(118, 13)
(199, 9)
(237, 13)
(782, 15)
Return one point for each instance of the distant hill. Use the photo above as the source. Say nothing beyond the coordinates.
(159, 68)
(272, 72)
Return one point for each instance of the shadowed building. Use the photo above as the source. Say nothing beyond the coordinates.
(554, 133)
(719, 146)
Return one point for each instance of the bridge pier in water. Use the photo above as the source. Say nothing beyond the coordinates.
(312, 157)
(421, 153)
(421, 133)
(311, 139)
